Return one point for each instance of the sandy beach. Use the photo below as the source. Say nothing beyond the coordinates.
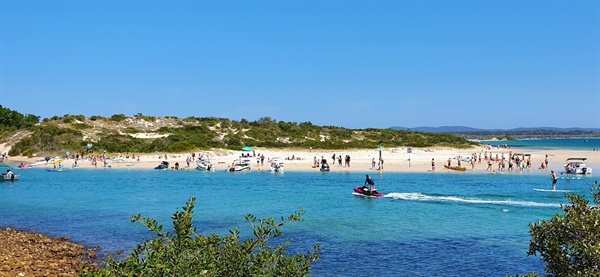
(394, 159)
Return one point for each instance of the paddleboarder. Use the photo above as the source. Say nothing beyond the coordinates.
(554, 179)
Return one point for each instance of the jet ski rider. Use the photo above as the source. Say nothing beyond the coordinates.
(371, 183)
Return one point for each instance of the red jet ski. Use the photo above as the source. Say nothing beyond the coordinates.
(364, 191)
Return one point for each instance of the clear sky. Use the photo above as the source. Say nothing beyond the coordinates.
(355, 64)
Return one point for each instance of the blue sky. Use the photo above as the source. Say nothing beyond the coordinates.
(356, 64)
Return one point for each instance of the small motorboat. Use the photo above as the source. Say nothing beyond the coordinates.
(455, 168)
(277, 165)
(9, 175)
(163, 165)
(364, 191)
(204, 165)
(239, 165)
(577, 166)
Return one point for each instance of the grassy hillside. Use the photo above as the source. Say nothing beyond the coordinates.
(147, 134)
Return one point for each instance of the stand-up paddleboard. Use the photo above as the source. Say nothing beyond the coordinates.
(549, 190)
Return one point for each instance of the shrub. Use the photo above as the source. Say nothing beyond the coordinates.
(570, 243)
(118, 117)
(186, 253)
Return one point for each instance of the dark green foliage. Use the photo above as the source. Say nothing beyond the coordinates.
(187, 253)
(68, 119)
(118, 117)
(14, 120)
(48, 138)
(81, 126)
(570, 243)
(144, 117)
(123, 144)
(130, 130)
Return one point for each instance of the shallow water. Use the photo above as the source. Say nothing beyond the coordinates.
(429, 224)
(567, 143)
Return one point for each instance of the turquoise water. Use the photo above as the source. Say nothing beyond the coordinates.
(573, 144)
(430, 224)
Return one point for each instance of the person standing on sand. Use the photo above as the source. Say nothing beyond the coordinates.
(432, 165)
(546, 160)
(554, 179)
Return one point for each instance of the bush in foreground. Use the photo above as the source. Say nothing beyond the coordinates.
(570, 243)
(186, 253)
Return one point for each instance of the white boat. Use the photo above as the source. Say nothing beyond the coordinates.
(8, 175)
(239, 165)
(277, 165)
(204, 165)
(39, 162)
(577, 166)
(119, 160)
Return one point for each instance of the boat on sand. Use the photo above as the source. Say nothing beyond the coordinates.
(455, 168)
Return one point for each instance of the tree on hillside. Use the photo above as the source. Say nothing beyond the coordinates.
(15, 120)
(186, 253)
(570, 243)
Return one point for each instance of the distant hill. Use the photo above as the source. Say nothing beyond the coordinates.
(465, 129)
(516, 133)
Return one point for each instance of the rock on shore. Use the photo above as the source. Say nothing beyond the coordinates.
(33, 254)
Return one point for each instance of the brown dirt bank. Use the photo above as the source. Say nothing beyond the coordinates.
(33, 254)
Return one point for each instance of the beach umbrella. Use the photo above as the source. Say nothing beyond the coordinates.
(247, 148)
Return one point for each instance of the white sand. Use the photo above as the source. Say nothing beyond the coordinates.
(395, 159)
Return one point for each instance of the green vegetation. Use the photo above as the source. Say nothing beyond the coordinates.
(570, 243)
(117, 135)
(48, 138)
(11, 121)
(186, 253)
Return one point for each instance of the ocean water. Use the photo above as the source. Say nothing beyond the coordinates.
(429, 224)
(568, 143)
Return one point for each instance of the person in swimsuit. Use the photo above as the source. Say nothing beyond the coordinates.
(554, 179)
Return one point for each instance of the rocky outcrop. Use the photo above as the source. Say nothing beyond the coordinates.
(33, 254)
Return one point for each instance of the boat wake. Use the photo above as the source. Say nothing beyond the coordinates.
(416, 196)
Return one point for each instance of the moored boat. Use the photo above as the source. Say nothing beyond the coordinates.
(277, 165)
(163, 165)
(7, 174)
(577, 166)
(455, 168)
(204, 165)
(239, 165)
